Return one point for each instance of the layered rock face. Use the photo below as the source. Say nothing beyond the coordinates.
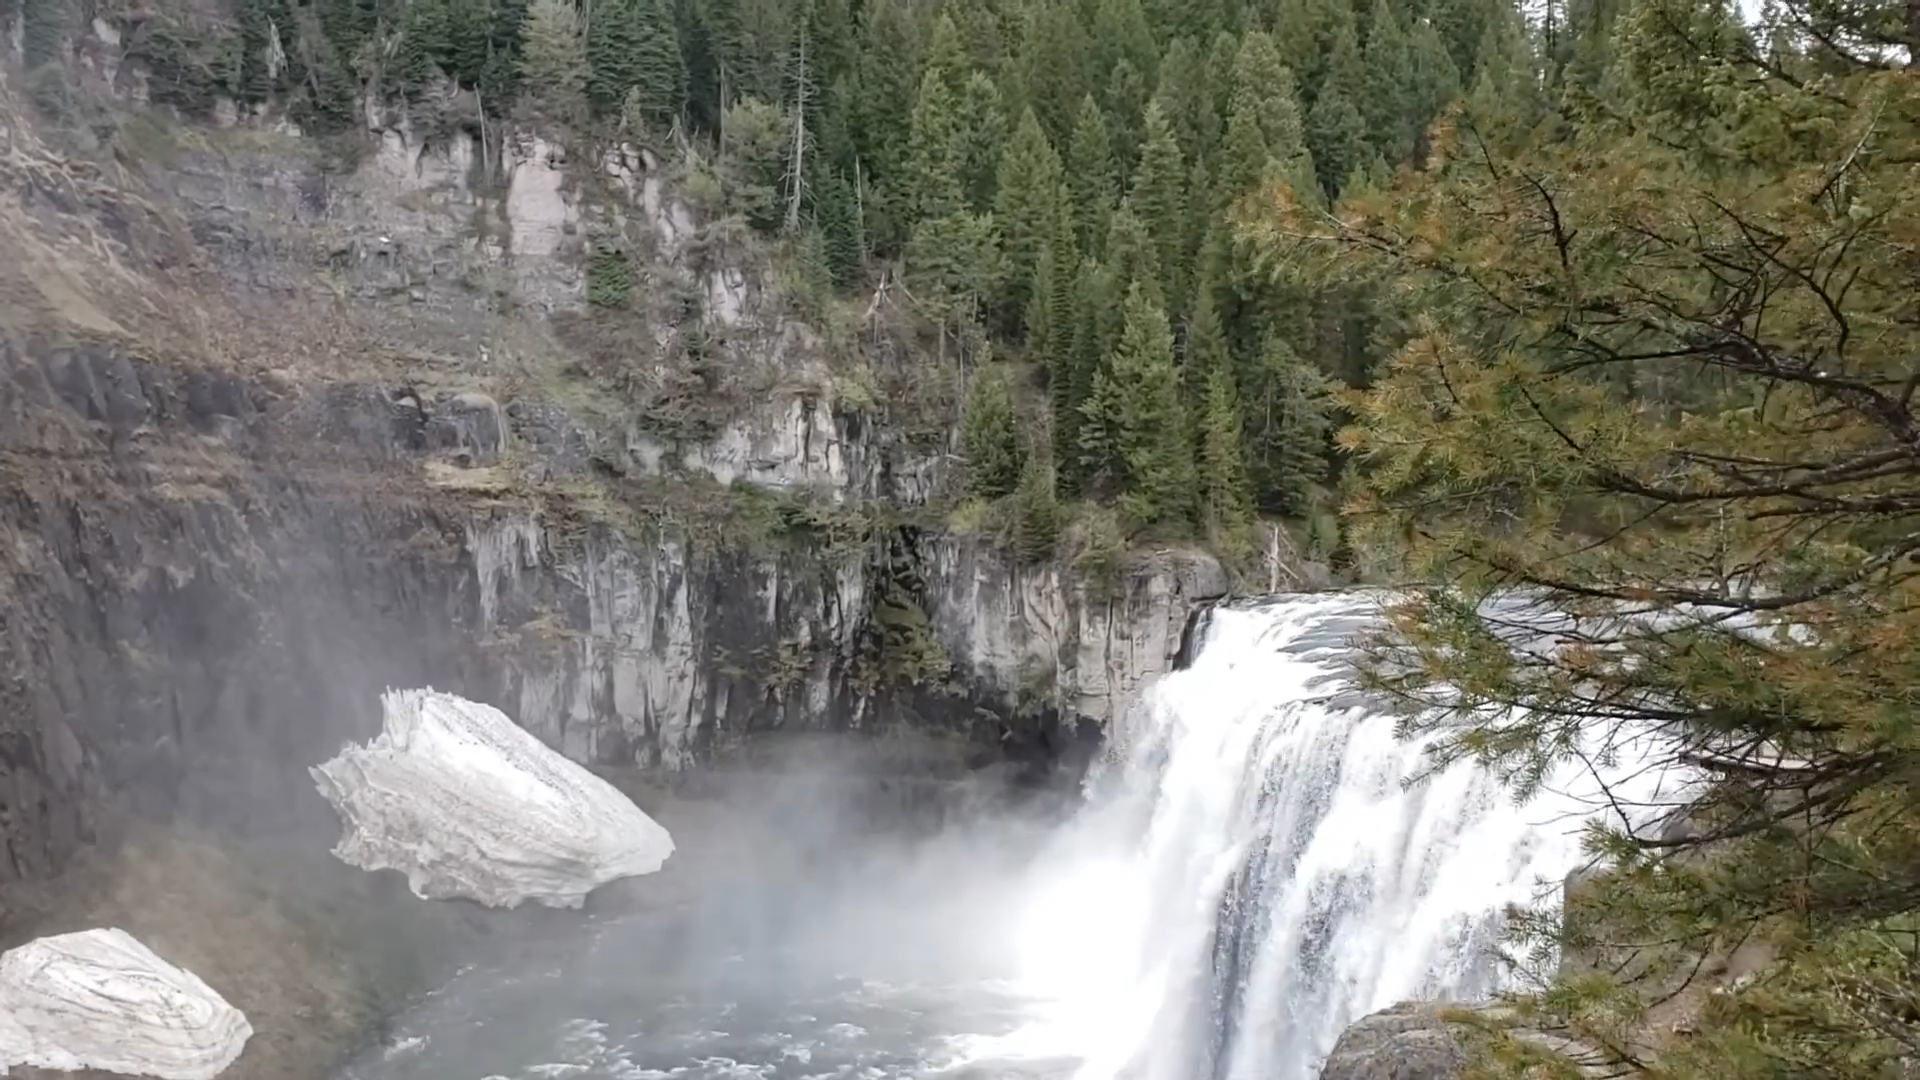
(209, 582)
(196, 598)
(413, 469)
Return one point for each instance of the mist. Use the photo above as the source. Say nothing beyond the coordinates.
(817, 918)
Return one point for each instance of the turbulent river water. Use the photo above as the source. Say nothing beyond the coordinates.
(1248, 874)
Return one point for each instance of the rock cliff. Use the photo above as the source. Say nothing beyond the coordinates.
(277, 434)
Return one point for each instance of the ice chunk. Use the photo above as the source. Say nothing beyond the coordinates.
(468, 805)
(98, 999)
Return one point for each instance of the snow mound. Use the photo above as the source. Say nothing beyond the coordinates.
(98, 999)
(468, 805)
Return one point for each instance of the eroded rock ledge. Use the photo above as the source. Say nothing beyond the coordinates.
(1408, 1041)
(239, 566)
(1421, 1040)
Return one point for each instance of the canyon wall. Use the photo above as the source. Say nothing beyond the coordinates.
(275, 435)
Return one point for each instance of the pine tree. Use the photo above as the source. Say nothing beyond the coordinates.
(1050, 317)
(1222, 58)
(493, 42)
(984, 34)
(1091, 181)
(1305, 33)
(754, 41)
(1055, 71)
(1287, 429)
(1265, 138)
(1159, 199)
(633, 51)
(753, 154)
(1226, 490)
(1389, 103)
(834, 144)
(992, 437)
(1187, 95)
(1336, 131)
(946, 57)
(659, 89)
(424, 31)
(1621, 425)
(1584, 55)
(1142, 419)
(1036, 521)
(931, 184)
(833, 41)
(837, 217)
(1101, 469)
(1088, 342)
(981, 137)
(885, 94)
(1028, 203)
(553, 61)
(327, 101)
(1200, 19)
(955, 262)
(1245, 162)
(1054, 283)
(1435, 82)
(1045, 322)
(1462, 26)
(348, 26)
(1504, 103)
(1121, 35)
(1206, 341)
(480, 35)
(1122, 105)
(260, 59)
(1133, 258)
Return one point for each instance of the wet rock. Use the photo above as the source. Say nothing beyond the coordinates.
(1415, 1040)
(1018, 630)
(1409, 1041)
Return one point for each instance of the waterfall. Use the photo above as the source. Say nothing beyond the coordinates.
(1254, 872)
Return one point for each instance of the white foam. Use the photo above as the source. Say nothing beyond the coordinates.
(1259, 876)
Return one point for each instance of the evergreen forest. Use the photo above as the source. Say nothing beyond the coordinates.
(1051, 182)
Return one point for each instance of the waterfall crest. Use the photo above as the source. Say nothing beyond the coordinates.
(1254, 873)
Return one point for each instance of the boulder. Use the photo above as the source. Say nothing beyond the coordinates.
(468, 805)
(98, 999)
(1415, 1040)
(1409, 1041)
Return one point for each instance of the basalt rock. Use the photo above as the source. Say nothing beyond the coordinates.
(211, 576)
(1410, 1041)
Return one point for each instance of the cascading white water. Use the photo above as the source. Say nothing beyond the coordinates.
(1257, 874)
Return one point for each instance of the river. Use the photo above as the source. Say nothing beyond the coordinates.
(1248, 874)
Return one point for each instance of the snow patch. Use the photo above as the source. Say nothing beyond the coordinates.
(98, 999)
(468, 805)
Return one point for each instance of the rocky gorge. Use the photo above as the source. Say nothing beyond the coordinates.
(279, 432)
(207, 534)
